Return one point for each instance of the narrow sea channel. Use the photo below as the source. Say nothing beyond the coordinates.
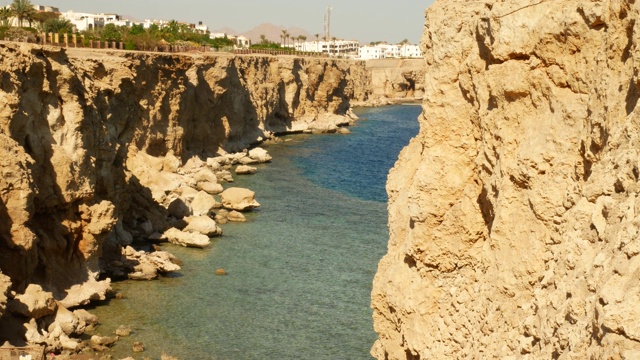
(299, 271)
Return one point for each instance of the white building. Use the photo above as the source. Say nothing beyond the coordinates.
(87, 21)
(333, 47)
(410, 51)
(240, 42)
(388, 51)
(46, 8)
(159, 23)
(368, 52)
(201, 28)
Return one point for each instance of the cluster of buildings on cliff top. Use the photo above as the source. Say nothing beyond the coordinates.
(333, 47)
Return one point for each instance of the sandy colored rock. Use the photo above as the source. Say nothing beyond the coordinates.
(107, 341)
(245, 170)
(235, 216)
(513, 216)
(66, 320)
(202, 204)
(123, 331)
(260, 155)
(138, 346)
(203, 225)
(86, 320)
(239, 199)
(34, 303)
(187, 239)
(83, 294)
(210, 188)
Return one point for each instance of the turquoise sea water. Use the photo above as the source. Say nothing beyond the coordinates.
(299, 271)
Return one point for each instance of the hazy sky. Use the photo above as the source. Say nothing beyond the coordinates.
(364, 20)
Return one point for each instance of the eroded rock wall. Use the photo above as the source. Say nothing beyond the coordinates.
(396, 80)
(514, 214)
(71, 120)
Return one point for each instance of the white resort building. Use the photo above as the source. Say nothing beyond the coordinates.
(87, 21)
(240, 42)
(333, 48)
(388, 51)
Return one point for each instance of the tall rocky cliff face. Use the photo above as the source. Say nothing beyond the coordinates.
(72, 122)
(515, 214)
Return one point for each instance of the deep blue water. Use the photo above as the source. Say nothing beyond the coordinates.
(301, 268)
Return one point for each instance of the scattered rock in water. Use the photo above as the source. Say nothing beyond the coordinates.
(235, 216)
(138, 346)
(344, 131)
(245, 170)
(221, 216)
(260, 155)
(103, 341)
(166, 356)
(187, 239)
(123, 331)
(239, 199)
(119, 296)
(221, 271)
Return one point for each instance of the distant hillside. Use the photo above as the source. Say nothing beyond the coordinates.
(273, 32)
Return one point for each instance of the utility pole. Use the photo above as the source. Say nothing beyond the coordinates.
(327, 27)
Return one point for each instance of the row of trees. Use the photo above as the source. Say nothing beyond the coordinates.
(134, 37)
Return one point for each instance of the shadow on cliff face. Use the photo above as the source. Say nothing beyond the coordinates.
(49, 260)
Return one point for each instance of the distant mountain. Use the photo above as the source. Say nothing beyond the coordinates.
(273, 32)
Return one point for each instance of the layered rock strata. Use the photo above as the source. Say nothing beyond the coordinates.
(97, 146)
(514, 215)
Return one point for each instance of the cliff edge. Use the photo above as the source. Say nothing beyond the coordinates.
(514, 214)
(83, 134)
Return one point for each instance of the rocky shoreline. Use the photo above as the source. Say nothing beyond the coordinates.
(104, 150)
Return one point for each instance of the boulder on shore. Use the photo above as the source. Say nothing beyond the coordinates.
(202, 204)
(34, 303)
(203, 225)
(187, 239)
(239, 199)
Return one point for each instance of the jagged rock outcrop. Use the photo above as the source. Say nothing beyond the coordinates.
(91, 142)
(395, 80)
(514, 215)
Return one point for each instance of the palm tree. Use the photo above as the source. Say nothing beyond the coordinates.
(263, 39)
(287, 36)
(283, 36)
(23, 10)
(317, 37)
(5, 15)
(303, 39)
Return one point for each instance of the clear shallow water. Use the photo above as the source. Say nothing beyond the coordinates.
(301, 268)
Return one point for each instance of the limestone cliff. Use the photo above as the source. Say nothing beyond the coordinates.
(72, 121)
(396, 80)
(514, 215)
